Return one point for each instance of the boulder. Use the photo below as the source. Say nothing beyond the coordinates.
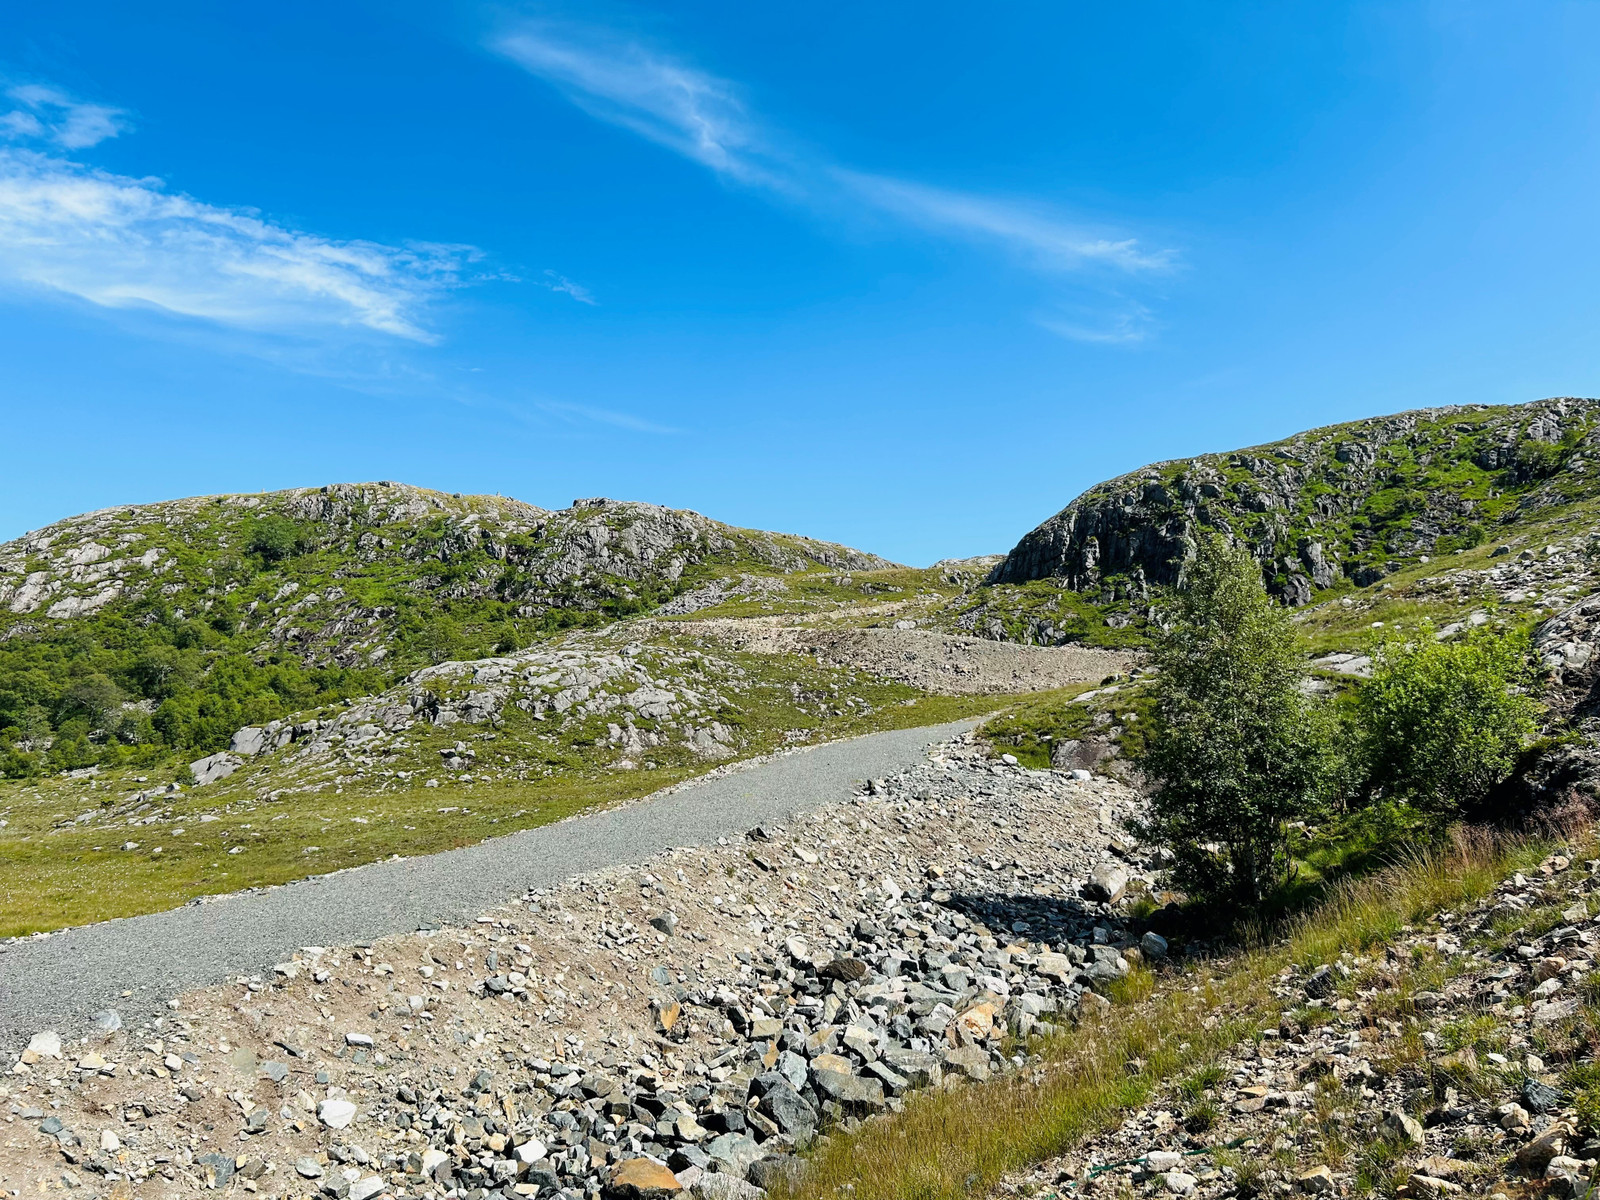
(1535, 1156)
(788, 1110)
(1400, 1127)
(971, 1061)
(717, 1186)
(642, 1179)
(1106, 883)
(734, 1152)
(857, 1096)
(1083, 754)
(214, 767)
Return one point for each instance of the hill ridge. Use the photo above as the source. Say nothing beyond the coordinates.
(1347, 501)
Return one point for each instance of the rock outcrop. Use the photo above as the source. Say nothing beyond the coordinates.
(353, 556)
(1352, 500)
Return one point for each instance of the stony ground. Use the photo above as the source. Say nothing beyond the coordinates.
(943, 663)
(683, 1024)
(1457, 1060)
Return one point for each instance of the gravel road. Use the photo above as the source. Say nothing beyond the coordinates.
(57, 982)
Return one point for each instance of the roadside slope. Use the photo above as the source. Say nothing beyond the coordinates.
(59, 981)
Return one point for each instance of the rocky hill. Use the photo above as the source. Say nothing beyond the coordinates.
(331, 573)
(1330, 508)
(174, 624)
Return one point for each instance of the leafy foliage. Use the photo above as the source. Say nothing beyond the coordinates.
(275, 538)
(1441, 723)
(1236, 746)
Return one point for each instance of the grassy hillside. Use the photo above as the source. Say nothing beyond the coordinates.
(588, 719)
(133, 634)
(1333, 508)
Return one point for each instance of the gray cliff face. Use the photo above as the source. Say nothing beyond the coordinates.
(1347, 500)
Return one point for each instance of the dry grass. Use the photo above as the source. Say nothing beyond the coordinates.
(953, 1144)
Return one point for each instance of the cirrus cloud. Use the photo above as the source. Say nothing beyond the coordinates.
(129, 243)
(704, 118)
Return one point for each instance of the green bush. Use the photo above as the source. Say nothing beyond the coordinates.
(274, 539)
(1237, 747)
(1441, 723)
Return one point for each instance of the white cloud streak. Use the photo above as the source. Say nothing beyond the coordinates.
(676, 106)
(1133, 325)
(703, 119)
(558, 282)
(603, 416)
(52, 115)
(125, 243)
(1046, 241)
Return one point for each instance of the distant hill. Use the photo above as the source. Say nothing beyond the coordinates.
(176, 623)
(1345, 504)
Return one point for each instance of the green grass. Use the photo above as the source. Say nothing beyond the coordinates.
(1029, 728)
(52, 877)
(1017, 610)
(836, 593)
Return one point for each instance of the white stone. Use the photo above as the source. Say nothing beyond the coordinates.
(531, 1151)
(336, 1114)
(365, 1189)
(46, 1044)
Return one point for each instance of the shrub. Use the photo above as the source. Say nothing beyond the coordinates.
(273, 538)
(1237, 746)
(1441, 723)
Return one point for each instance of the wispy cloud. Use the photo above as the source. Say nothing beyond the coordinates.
(558, 282)
(1048, 242)
(51, 115)
(126, 243)
(603, 416)
(704, 119)
(675, 105)
(1134, 324)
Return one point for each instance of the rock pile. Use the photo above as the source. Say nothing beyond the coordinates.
(1456, 1061)
(682, 1026)
(943, 663)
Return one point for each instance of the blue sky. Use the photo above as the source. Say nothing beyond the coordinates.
(906, 276)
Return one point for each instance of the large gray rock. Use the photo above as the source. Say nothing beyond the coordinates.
(918, 1068)
(734, 1152)
(250, 740)
(1106, 883)
(1074, 754)
(214, 767)
(719, 1186)
(786, 1107)
(857, 1096)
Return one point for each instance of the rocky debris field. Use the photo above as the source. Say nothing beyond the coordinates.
(1548, 576)
(683, 1026)
(1457, 1060)
(946, 664)
(631, 697)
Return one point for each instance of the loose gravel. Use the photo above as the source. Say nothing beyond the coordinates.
(135, 964)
